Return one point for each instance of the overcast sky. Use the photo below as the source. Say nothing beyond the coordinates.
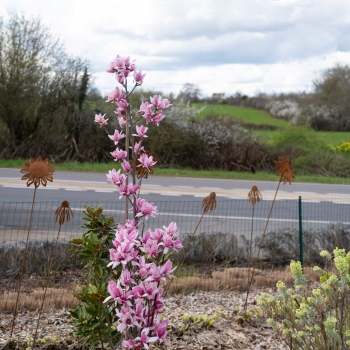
(219, 45)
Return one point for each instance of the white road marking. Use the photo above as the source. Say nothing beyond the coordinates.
(337, 194)
(8, 186)
(210, 188)
(301, 192)
(184, 186)
(310, 201)
(105, 191)
(227, 217)
(170, 194)
(75, 189)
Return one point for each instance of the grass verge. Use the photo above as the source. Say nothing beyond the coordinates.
(248, 115)
(174, 172)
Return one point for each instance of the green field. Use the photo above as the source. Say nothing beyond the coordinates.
(254, 116)
(330, 138)
(248, 115)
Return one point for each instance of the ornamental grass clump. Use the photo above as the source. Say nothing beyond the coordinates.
(319, 318)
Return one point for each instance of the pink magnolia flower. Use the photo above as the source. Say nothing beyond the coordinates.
(146, 161)
(116, 178)
(138, 147)
(127, 190)
(126, 166)
(115, 96)
(126, 279)
(171, 230)
(118, 294)
(150, 247)
(158, 103)
(99, 118)
(122, 121)
(118, 154)
(138, 77)
(146, 111)
(117, 136)
(159, 273)
(127, 318)
(160, 329)
(157, 119)
(145, 209)
(141, 131)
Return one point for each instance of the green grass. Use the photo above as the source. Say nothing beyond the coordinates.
(330, 138)
(209, 174)
(248, 115)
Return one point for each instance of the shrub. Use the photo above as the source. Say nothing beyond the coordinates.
(319, 318)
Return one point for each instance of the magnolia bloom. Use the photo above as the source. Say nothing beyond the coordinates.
(144, 208)
(138, 147)
(115, 96)
(117, 136)
(147, 111)
(118, 154)
(141, 131)
(116, 177)
(158, 103)
(126, 166)
(157, 119)
(159, 273)
(146, 161)
(127, 190)
(122, 121)
(127, 318)
(160, 329)
(138, 77)
(99, 118)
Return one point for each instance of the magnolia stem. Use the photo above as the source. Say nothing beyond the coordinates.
(23, 262)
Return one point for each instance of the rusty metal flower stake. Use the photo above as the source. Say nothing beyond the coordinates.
(208, 204)
(62, 214)
(284, 170)
(254, 196)
(35, 172)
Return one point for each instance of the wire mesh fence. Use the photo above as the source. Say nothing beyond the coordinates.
(226, 231)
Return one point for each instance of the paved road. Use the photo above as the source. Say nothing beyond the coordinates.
(85, 186)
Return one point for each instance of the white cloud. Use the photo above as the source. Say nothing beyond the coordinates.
(220, 45)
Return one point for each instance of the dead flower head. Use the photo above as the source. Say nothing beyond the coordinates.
(209, 203)
(63, 213)
(37, 171)
(284, 169)
(254, 195)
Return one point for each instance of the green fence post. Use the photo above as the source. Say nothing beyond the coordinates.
(301, 234)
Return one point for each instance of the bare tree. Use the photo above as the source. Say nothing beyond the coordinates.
(189, 93)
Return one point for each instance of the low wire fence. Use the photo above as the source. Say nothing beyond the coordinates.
(297, 230)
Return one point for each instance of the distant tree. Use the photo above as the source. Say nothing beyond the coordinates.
(332, 94)
(189, 93)
(42, 89)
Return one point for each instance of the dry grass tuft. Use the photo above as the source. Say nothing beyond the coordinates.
(236, 278)
(55, 299)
